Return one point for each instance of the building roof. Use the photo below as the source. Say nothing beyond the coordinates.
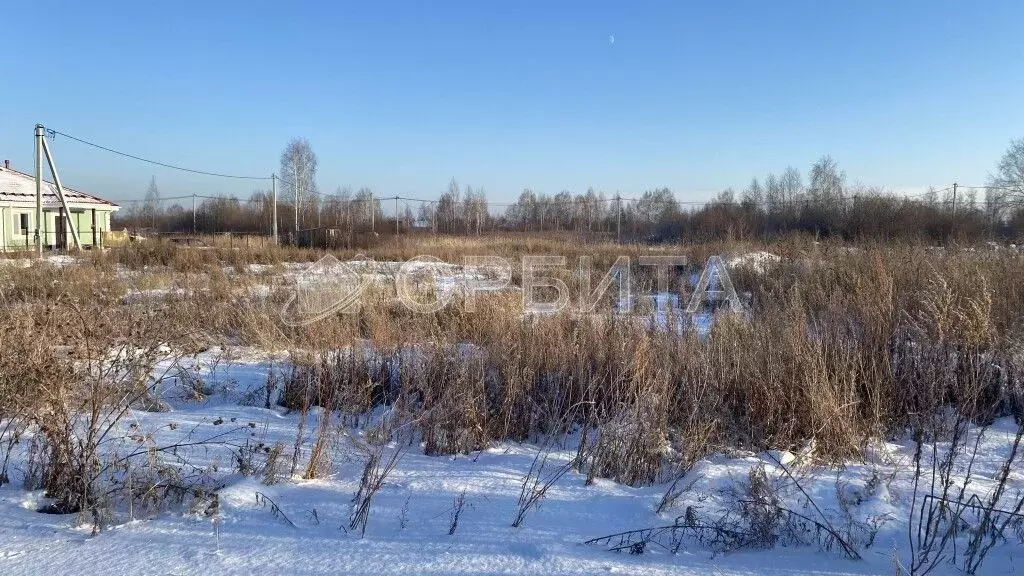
(20, 188)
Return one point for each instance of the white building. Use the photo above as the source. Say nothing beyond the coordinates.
(91, 215)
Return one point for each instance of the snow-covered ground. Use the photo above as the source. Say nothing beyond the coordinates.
(53, 259)
(410, 519)
(759, 262)
(297, 526)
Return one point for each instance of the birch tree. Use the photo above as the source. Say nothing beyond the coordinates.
(298, 178)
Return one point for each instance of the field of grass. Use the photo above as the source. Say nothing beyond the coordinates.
(864, 405)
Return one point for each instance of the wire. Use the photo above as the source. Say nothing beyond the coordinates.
(155, 162)
(547, 202)
(155, 200)
(1011, 188)
(536, 201)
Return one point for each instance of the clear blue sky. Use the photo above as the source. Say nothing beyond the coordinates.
(401, 96)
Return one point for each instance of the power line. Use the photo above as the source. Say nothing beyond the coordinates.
(155, 200)
(155, 162)
(545, 201)
(535, 201)
(1011, 188)
(548, 202)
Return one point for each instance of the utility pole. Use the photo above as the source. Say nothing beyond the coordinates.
(396, 216)
(66, 215)
(40, 134)
(953, 223)
(348, 217)
(373, 215)
(193, 212)
(618, 218)
(273, 200)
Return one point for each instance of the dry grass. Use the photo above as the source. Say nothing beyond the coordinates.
(839, 346)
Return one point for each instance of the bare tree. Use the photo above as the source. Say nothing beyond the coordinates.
(335, 207)
(1010, 170)
(754, 194)
(448, 209)
(1006, 186)
(366, 208)
(151, 205)
(524, 213)
(774, 196)
(474, 209)
(426, 214)
(791, 184)
(657, 205)
(298, 177)
(827, 181)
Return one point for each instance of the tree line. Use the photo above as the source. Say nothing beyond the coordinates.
(823, 204)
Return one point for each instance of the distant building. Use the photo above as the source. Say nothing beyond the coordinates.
(91, 215)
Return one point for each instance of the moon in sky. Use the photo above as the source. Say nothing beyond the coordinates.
(611, 38)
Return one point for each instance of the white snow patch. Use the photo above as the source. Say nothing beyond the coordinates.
(757, 261)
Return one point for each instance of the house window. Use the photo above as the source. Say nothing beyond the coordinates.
(23, 221)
